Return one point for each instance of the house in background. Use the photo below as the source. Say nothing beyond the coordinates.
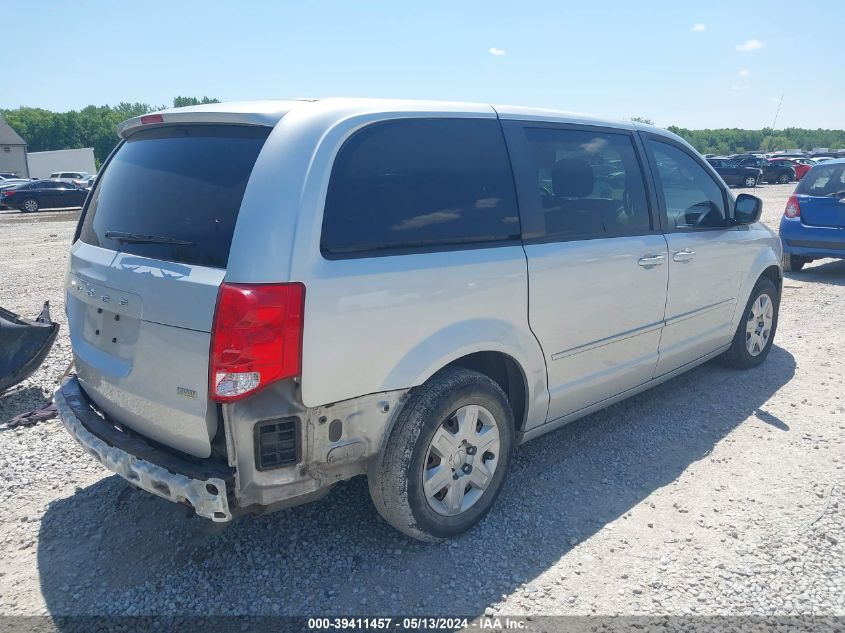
(12, 152)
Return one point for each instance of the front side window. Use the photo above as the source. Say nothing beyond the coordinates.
(420, 184)
(590, 183)
(691, 197)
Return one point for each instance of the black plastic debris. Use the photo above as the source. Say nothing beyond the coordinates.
(24, 344)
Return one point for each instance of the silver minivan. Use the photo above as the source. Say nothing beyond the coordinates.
(267, 298)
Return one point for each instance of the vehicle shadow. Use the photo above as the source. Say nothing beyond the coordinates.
(108, 546)
(831, 272)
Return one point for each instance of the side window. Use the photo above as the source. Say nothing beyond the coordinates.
(590, 183)
(420, 183)
(693, 199)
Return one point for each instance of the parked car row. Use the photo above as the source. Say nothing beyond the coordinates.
(30, 196)
(749, 172)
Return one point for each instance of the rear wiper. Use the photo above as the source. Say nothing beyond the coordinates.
(138, 238)
(836, 194)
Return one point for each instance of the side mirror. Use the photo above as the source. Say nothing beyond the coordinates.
(747, 209)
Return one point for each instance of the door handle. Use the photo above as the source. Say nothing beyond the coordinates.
(683, 256)
(647, 261)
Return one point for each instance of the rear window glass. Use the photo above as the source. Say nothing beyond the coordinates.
(184, 184)
(823, 180)
(420, 184)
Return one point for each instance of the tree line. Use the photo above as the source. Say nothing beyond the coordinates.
(736, 141)
(96, 126)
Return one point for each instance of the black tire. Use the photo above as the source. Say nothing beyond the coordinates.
(738, 355)
(750, 181)
(395, 476)
(783, 179)
(30, 205)
(793, 263)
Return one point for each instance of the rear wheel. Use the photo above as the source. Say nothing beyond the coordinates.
(30, 205)
(446, 458)
(793, 263)
(750, 181)
(783, 179)
(755, 333)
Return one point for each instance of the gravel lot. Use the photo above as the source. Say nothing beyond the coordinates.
(717, 493)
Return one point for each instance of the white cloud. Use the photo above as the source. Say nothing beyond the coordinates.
(737, 87)
(750, 45)
(699, 27)
(744, 73)
(498, 52)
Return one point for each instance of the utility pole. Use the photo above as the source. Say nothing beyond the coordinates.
(778, 111)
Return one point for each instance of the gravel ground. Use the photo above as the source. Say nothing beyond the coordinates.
(717, 493)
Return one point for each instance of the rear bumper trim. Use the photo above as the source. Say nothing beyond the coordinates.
(143, 465)
(817, 244)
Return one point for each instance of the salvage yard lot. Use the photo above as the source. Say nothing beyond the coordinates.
(718, 492)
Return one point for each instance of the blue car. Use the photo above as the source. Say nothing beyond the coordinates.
(813, 224)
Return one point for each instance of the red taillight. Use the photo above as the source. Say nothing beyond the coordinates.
(8, 193)
(793, 208)
(151, 118)
(256, 338)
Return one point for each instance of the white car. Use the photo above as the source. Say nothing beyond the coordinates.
(75, 177)
(266, 298)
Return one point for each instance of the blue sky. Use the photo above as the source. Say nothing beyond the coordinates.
(611, 59)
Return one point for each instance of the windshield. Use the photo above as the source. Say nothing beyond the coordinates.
(182, 184)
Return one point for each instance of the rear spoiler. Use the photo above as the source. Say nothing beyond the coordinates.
(262, 113)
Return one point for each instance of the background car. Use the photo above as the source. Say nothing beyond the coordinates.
(735, 174)
(800, 165)
(8, 184)
(86, 183)
(69, 176)
(813, 223)
(41, 194)
(772, 172)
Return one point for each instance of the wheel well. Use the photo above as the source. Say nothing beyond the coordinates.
(774, 275)
(506, 372)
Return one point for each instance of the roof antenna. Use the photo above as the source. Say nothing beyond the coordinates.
(778, 111)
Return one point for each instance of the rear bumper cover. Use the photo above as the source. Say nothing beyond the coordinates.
(812, 241)
(202, 486)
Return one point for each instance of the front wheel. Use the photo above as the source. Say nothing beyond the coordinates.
(756, 331)
(783, 179)
(750, 181)
(30, 205)
(446, 458)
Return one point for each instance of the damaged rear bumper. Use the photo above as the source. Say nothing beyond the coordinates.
(24, 344)
(205, 486)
